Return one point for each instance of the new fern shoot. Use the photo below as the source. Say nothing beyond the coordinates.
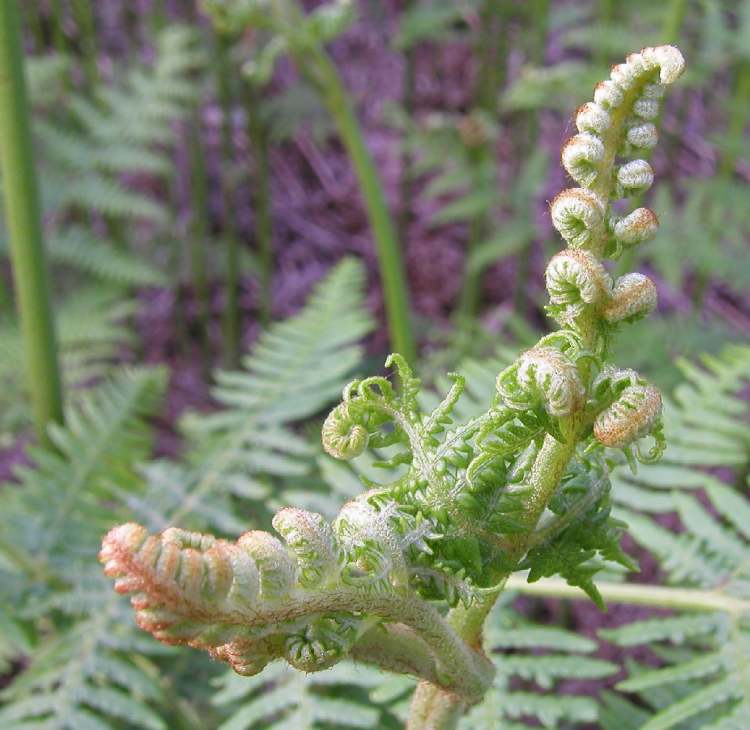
(522, 487)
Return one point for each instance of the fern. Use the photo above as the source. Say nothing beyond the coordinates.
(285, 698)
(710, 674)
(80, 671)
(538, 657)
(91, 335)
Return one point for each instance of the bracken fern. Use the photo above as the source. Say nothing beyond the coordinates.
(523, 485)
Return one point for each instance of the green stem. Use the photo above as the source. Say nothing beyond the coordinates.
(57, 20)
(491, 50)
(24, 221)
(232, 323)
(83, 12)
(607, 16)
(317, 64)
(540, 25)
(259, 144)
(406, 191)
(673, 21)
(434, 708)
(683, 599)
(198, 233)
(740, 109)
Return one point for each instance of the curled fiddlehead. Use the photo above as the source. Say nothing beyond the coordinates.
(523, 485)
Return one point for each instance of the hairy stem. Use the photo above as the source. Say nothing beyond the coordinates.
(24, 222)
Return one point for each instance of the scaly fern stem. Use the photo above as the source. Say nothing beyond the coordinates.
(23, 216)
(434, 708)
(316, 63)
(684, 599)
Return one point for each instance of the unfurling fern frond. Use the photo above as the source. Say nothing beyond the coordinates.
(462, 505)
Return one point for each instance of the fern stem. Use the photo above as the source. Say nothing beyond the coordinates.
(740, 109)
(540, 24)
(59, 40)
(406, 184)
(232, 323)
(198, 233)
(258, 137)
(491, 51)
(83, 13)
(316, 63)
(432, 707)
(24, 221)
(636, 594)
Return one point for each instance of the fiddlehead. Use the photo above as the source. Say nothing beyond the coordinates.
(524, 485)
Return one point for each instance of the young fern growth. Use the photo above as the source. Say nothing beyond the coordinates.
(522, 486)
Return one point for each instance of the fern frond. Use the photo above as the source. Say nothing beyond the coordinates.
(284, 698)
(81, 671)
(713, 553)
(91, 334)
(705, 423)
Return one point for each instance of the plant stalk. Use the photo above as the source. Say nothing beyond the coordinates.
(83, 12)
(259, 144)
(24, 222)
(232, 323)
(406, 186)
(198, 233)
(316, 63)
(635, 594)
(491, 51)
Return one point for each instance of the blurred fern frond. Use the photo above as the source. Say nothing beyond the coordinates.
(80, 669)
(703, 680)
(286, 698)
(92, 333)
(293, 371)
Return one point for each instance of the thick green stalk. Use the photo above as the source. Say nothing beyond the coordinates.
(317, 64)
(682, 599)
(232, 323)
(259, 144)
(24, 221)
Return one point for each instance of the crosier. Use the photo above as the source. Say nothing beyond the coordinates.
(523, 486)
